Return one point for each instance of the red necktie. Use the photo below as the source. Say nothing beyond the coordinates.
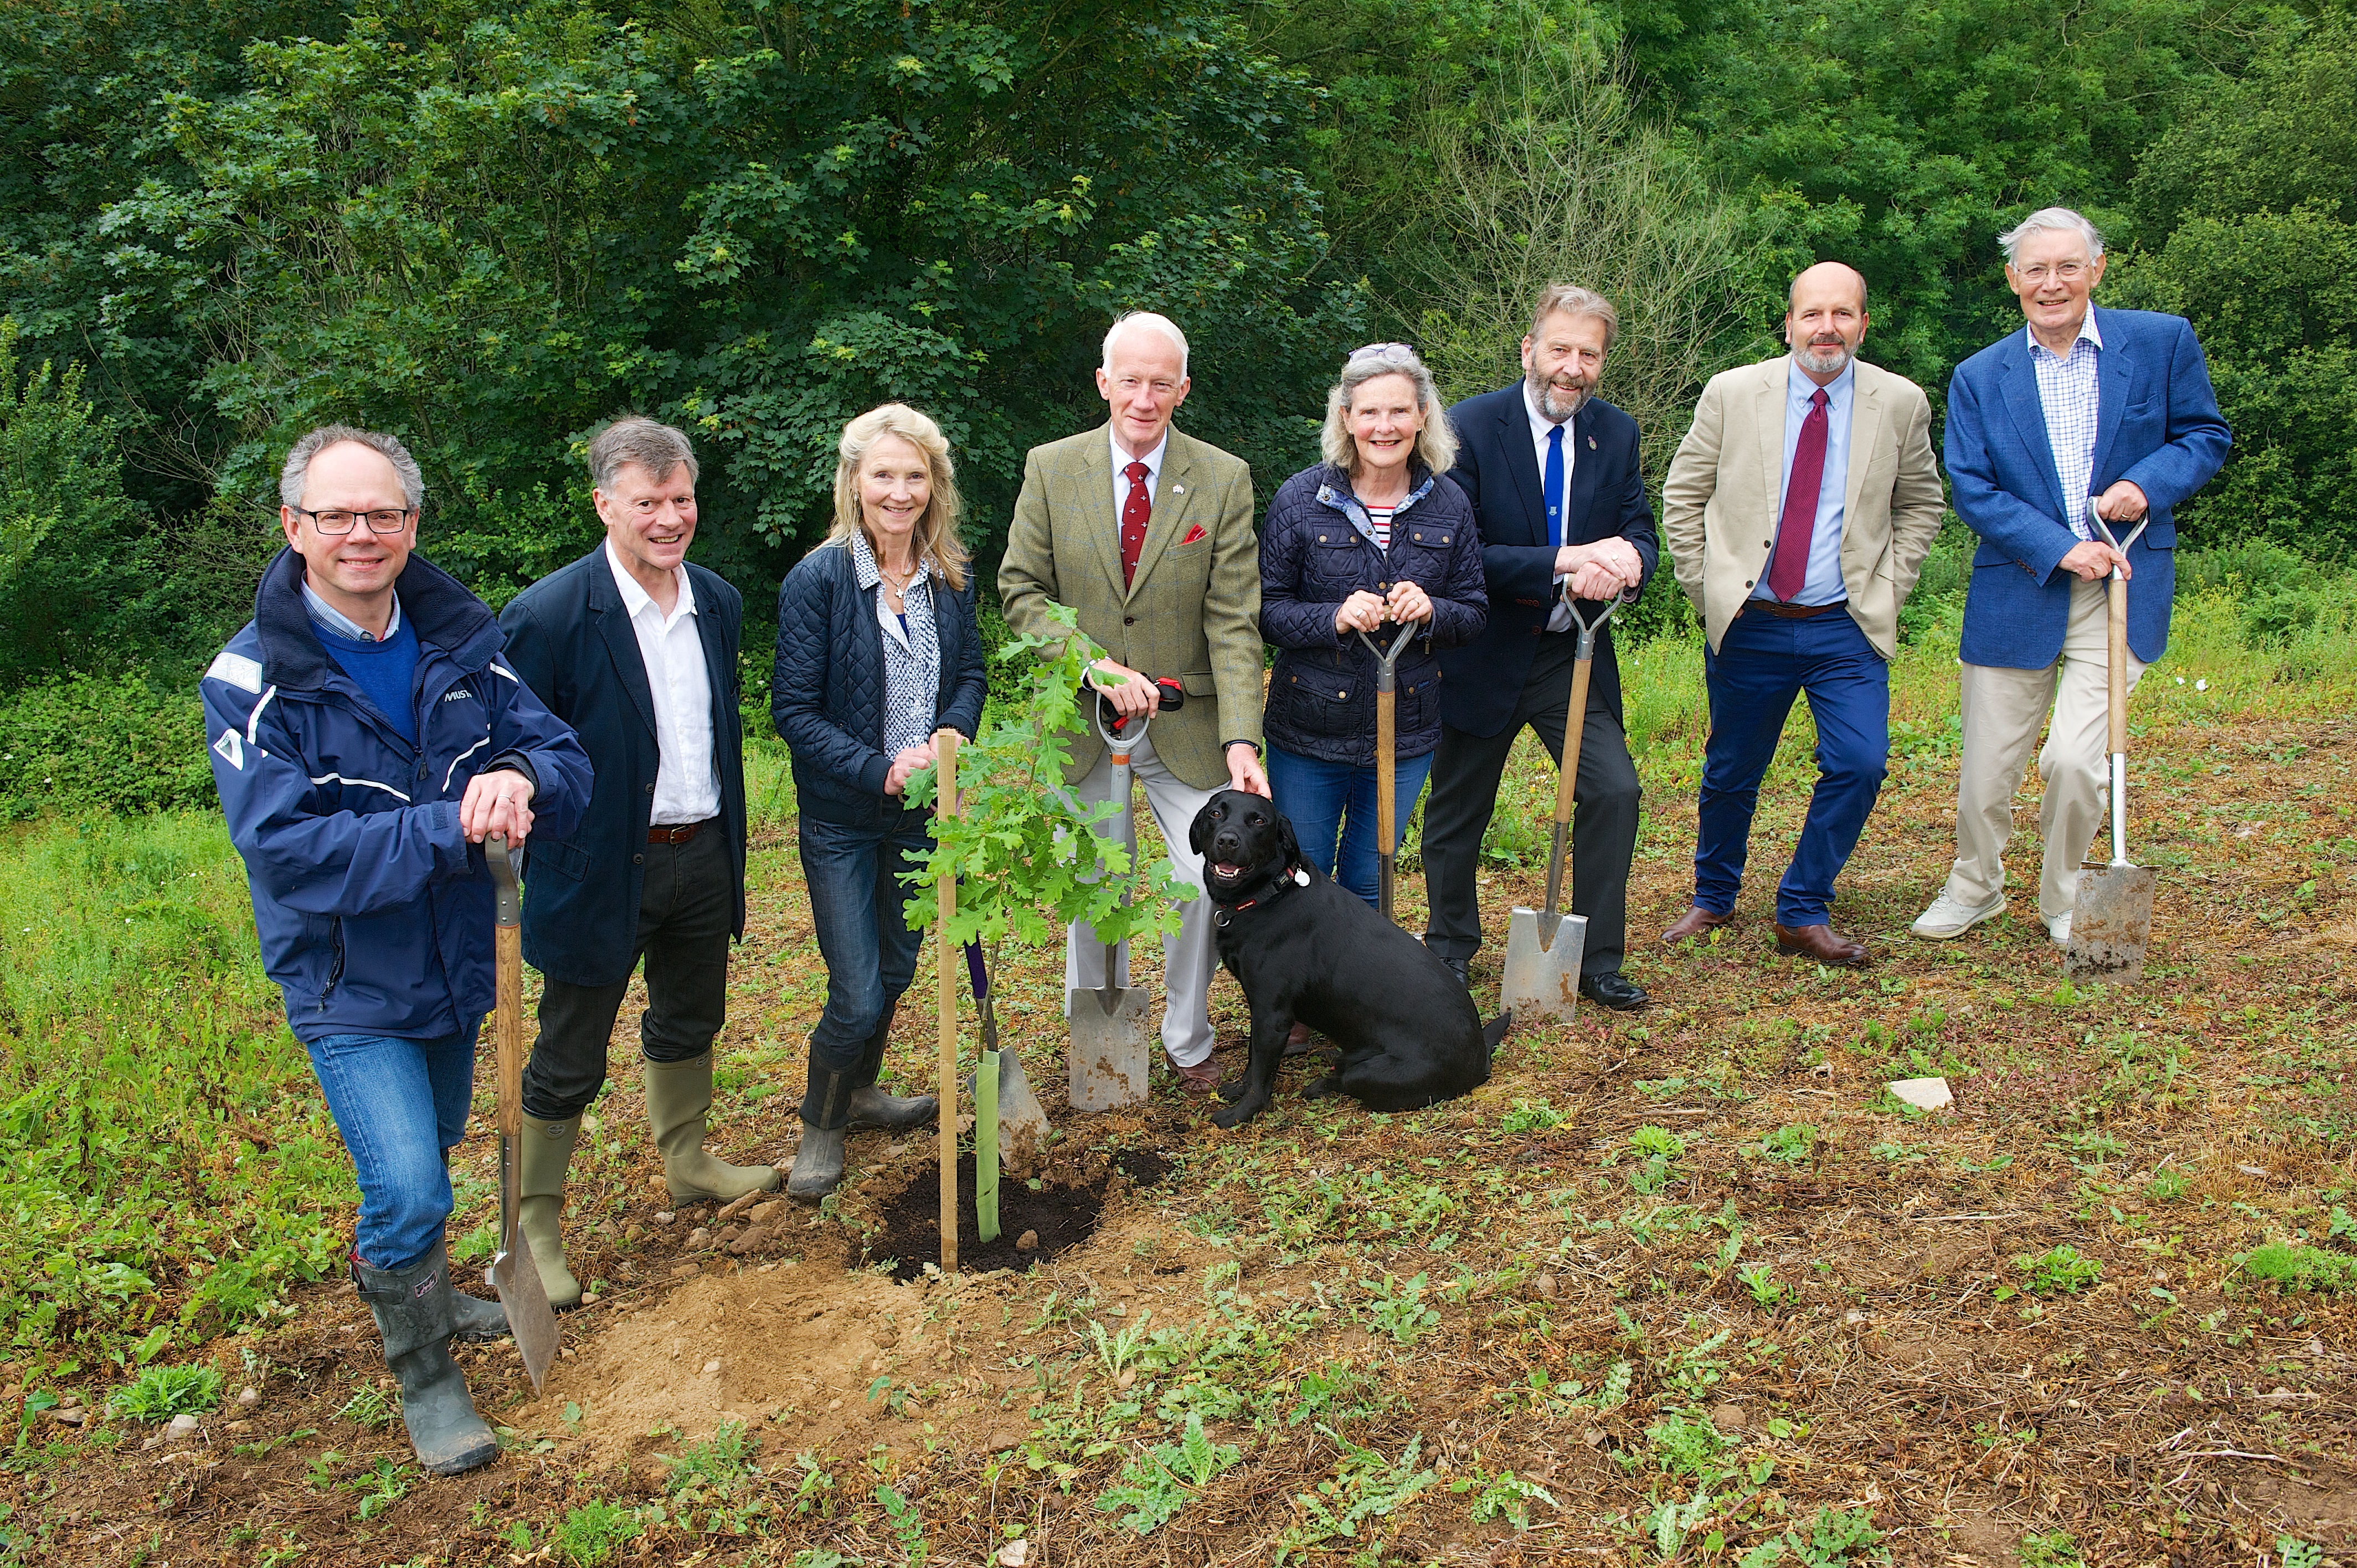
(1135, 510)
(1790, 571)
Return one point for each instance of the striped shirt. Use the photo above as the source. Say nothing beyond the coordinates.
(1378, 518)
(2070, 394)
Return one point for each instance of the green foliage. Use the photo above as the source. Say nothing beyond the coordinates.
(1836, 1538)
(1155, 1484)
(369, 1407)
(2298, 1268)
(2256, 195)
(2050, 1548)
(1531, 1116)
(1364, 1487)
(1789, 1143)
(157, 1123)
(1686, 1444)
(91, 746)
(1662, 1149)
(1395, 1307)
(159, 1394)
(591, 1535)
(1011, 844)
(718, 1467)
(2058, 1271)
(1503, 1496)
(59, 470)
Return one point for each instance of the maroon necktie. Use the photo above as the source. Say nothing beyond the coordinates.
(1789, 571)
(1135, 511)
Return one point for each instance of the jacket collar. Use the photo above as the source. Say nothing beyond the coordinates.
(445, 614)
(1335, 489)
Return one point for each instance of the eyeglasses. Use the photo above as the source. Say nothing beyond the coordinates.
(2063, 272)
(1384, 349)
(336, 523)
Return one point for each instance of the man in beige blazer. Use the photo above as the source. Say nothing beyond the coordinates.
(1798, 509)
(1146, 533)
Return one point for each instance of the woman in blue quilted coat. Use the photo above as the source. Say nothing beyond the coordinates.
(1373, 538)
(876, 649)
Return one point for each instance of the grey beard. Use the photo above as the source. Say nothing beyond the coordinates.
(1554, 402)
(1822, 362)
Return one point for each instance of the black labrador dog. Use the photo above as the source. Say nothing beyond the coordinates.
(1306, 948)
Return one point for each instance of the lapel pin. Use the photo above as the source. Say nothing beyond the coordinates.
(1177, 489)
(1591, 444)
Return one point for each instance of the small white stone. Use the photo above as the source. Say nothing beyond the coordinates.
(1014, 1554)
(181, 1429)
(711, 1368)
(249, 1397)
(1923, 1093)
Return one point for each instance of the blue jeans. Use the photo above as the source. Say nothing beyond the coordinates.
(401, 1106)
(1326, 801)
(856, 901)
(1762, 663)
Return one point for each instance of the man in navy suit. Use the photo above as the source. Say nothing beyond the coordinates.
(1560, 499)
(638, 649)
(2108, 408)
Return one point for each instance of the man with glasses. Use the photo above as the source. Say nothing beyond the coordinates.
(366, 737)
(1146, 533)
(1556, 488)
(2108, 413)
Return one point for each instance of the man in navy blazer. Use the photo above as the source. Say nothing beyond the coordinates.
(1560, 501)
(2110, 409)
(637, 650)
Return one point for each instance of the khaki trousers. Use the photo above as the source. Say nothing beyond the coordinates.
(2002, 712)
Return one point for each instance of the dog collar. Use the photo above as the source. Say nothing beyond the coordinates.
(1295, 877)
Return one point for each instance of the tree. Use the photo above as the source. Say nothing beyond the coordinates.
(2258, 193)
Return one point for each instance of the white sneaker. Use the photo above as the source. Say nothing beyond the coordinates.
(1952, 917)
(2060, 929)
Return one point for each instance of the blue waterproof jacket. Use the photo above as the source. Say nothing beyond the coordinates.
(373, 910)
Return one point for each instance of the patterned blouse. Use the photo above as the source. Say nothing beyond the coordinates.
(913, 650)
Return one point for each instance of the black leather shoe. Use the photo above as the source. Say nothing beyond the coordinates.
(1460, 968)
(1614, 991)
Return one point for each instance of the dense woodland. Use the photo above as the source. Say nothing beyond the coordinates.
(487, 227)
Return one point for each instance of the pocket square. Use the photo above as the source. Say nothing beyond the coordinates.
(1193, 534)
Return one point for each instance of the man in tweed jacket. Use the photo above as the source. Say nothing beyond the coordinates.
(1147, 535)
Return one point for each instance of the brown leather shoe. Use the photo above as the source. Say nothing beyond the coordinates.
(1820, 942)
(1696, 922)
(1203, 1078)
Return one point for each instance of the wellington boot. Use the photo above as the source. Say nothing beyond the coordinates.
(679, 1099)
(414, 1312)
(476, 1320)
(872, 1107)
(544, 1150)
(818, 1165)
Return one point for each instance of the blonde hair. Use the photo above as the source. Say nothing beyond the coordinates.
(1436, 443)
(937, 530)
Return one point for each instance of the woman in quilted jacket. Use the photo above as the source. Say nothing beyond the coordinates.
(876, 649)
(1374, 537)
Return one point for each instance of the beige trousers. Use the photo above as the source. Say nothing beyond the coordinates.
(2002, 712)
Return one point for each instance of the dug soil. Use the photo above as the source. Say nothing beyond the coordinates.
(1039, 1217)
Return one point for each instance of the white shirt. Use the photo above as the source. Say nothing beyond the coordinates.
(1121, 460)
(2070, 394)
(1559, 618)
(687, 777)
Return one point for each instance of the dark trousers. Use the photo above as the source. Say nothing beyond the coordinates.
(1762, 663)
(1465, 774)
(685, 917)
(858, 902)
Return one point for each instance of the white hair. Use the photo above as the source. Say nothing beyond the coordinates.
(1436, 443)
(1162, 324)
(2051, 219)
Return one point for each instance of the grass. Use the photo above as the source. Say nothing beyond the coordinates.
(1518, 1317)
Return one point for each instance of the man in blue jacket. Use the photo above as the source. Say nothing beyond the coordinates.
(2110, 409)
(637, 650)
(367, 738)
(1560, 499)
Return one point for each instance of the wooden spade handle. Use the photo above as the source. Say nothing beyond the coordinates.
(2116, 656)
(1386, 774)
(1574, 725)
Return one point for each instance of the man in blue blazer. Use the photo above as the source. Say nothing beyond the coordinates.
(2110, 409)
(637, 650)
(1560, 499)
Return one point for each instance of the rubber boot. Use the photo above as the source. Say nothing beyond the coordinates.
(870, 1108)
(476, 1320)
(818, 1164)
(544, 1150)
(679, 1099)
(414, 1310)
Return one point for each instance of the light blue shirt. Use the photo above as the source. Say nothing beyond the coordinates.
(1823, 585)
(342, 625)
(2070, 396)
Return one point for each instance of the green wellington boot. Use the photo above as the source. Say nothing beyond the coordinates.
(679, 1099)
(546, 1149)
(414, 1310)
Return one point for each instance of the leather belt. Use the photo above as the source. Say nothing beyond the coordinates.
(1793, 612)
(678, 832)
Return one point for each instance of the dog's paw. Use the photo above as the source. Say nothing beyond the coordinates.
(1233, 1089)
(1317, 1089)
(1236, 1116)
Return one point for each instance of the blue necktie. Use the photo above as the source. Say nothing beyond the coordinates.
(1555, 486)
